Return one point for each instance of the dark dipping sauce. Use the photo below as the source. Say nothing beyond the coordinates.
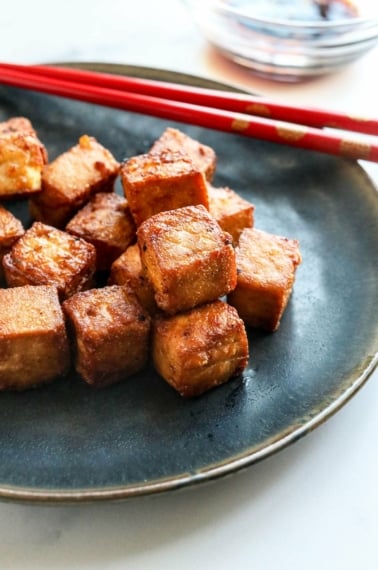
(299, 10)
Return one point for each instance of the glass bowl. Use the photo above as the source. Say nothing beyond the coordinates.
(289, 40)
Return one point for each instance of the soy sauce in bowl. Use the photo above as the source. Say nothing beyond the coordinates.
(299, 10)
(289, 40)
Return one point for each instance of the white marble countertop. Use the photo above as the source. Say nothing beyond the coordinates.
(313, 505)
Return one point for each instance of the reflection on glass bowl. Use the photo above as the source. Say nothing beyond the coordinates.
(289, 39)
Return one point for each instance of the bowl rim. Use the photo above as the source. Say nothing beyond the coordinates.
(348, 23)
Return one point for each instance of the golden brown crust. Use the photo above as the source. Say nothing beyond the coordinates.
(203, 157)
(188, 259)
(107, 223)
(183, 261)
(71, 179)
(17, 125)
(22, 158)
(155, 183)
(232, 212)
(33, 341)
(128, 270)
(11, 229)
(200, 349)
(47, 256)
(111, 333)
(266, 271)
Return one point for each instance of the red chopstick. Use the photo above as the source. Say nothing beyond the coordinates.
(224, 111)
(237, 102)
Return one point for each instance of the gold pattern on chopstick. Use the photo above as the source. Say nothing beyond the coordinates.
(292, 133)
(355, 149)
(359, 119)
(239, 124)
(258, 109)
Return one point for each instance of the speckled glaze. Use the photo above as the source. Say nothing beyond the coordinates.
(68, 442)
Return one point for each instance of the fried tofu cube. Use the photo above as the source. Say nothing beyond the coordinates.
(154, 183)
(33, 341)
(266, 266)
(173, 140)
(47, 256)
(11, 229)
(201, 348)
(232, 212)
(188, 258)
(107, 223)
(128, 270)
(22, 158)
(71, 179)
(111, 333)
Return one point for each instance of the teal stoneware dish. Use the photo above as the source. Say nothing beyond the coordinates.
(68, 442)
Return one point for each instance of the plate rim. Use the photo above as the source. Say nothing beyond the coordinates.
(238, 462)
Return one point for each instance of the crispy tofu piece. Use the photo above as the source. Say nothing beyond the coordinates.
(107, 223)
(33, 341)
(47, 256)
(128, 270)
(232, 212)
(154, 183)
(71, 179)
(11, 229)
(266, 271)
(201, 348)
(111, 333)
(22, 158)
(173, 140)
(188, 258)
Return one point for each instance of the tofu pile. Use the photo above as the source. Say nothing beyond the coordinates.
(171, 273)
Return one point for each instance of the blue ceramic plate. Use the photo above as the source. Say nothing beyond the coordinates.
(68, 442)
